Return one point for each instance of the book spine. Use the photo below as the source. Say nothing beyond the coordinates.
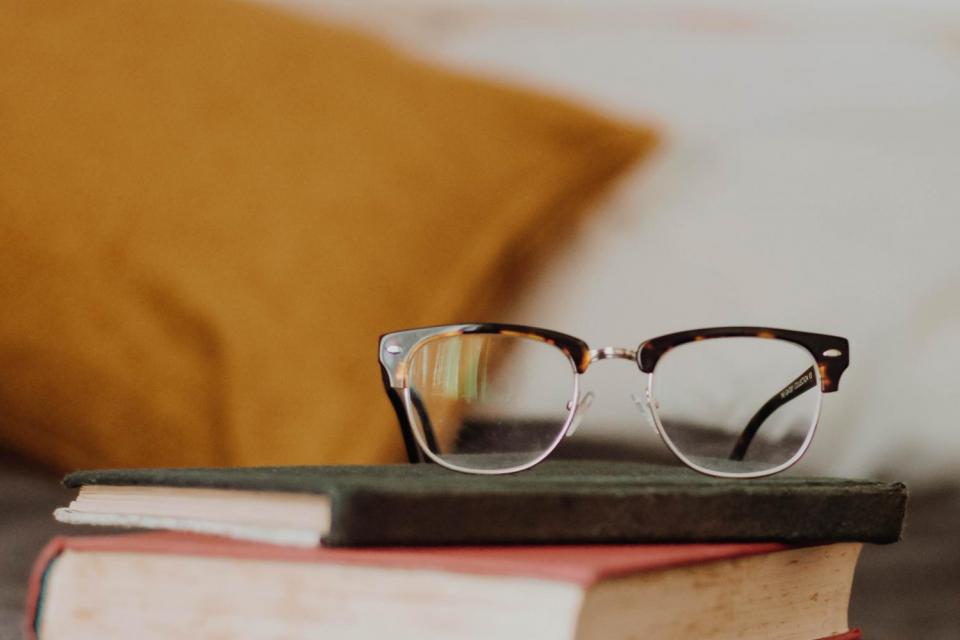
(41, 565)
(381, 517)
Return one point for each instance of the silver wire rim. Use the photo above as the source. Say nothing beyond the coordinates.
(651, 407)
(418, 431)
(574, 404)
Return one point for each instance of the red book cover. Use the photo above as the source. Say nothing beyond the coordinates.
(583, 565)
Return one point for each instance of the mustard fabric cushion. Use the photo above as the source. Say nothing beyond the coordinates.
(210, 210)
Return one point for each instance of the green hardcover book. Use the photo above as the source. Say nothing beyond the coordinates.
(567, 501)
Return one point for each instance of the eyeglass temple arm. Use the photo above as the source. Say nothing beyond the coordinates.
(414, 454)
(802, 383)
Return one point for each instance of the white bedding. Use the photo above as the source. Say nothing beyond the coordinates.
(810, 179)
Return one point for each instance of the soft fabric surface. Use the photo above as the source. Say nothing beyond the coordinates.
(809, 181)
(209, 211)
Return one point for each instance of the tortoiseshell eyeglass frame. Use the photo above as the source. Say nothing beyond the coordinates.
(830, 353)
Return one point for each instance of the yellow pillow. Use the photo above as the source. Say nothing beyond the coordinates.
(210, 210)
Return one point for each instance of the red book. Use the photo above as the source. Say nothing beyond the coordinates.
(174, 585)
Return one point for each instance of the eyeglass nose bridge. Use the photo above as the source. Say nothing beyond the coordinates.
(612, 353)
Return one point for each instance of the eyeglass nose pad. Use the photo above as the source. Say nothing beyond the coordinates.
(581, 411)
(646, 407)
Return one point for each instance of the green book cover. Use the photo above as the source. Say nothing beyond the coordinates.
(566, 501)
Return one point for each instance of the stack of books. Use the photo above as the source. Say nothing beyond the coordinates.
(568, 550)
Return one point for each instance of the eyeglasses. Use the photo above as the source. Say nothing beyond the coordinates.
(733, 402)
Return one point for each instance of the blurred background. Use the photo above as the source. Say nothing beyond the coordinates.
(806, 175)
(807, 179)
